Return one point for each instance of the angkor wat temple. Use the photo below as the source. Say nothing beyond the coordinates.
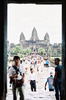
(35, 43)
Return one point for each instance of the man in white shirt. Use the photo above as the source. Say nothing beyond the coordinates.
(32, 80)
(17, 76)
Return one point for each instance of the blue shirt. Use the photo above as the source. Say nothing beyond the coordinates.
(47, 62)
(50, 82)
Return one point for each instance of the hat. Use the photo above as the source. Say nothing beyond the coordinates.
(51, 73)
(31, 68)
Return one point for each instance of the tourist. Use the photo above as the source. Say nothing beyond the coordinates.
(23, 64)
(47, 63)
(50, 82)
(42, 64)
(57, 79)
(39, 66)
(33, 80)
(34, 61)
(32, 65)
(26, 67)
(17, 76)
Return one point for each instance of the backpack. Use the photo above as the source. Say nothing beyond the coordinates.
(18, 83)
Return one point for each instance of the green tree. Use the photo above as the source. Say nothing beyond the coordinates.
(41, 51)
(49, 51)
(16, 50)
(21, 55)
(27, 51)
(55, 52)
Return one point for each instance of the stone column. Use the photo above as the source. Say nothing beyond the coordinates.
(3, 48)
(63, 52)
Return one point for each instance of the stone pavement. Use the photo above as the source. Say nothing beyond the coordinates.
(41, 94)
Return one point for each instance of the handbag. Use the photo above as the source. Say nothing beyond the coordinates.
(18, 83)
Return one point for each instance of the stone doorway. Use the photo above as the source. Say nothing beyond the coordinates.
(3, 38)
(40, 77)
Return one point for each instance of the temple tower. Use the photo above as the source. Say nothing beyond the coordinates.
(22, 40)
(22, 37)
(34, 36)
(46, 38)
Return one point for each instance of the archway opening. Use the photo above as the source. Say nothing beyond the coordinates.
(41, 47)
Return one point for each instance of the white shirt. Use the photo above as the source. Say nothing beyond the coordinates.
(12, 71)
(32, 65)
(23, 65)
(32, 76)
(39, 65)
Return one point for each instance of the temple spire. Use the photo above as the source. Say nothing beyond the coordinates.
(22, 37)
(46, 38)
(34, 36)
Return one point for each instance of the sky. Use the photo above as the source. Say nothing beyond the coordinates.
(24, 17)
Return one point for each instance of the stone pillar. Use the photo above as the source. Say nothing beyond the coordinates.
(63, 52)
(3, 48)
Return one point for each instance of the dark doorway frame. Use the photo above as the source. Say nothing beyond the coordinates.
(3, 42)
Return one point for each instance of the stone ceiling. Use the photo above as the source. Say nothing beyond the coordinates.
(36, 1)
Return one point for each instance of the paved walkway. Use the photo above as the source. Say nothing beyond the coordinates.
(41, 94)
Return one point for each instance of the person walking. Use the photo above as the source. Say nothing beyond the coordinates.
(47, 63)
(57, 79)
(17, 76)
(39, 66)
(33, 80)
(50, 82)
